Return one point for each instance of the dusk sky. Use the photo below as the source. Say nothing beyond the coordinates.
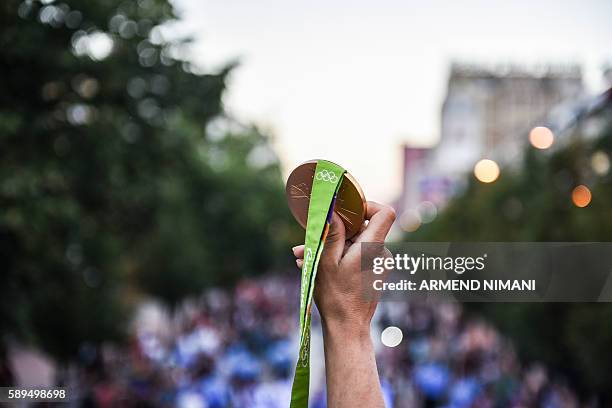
(351, 81)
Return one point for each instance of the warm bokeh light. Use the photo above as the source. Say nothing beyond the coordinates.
(410, 221)
(541, 137)
(581, 196)
(486, 171)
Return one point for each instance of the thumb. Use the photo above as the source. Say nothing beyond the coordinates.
(334, 244)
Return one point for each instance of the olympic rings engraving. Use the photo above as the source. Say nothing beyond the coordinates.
(327, 175)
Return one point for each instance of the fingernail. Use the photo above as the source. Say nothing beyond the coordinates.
(293, 249)
(299, 262)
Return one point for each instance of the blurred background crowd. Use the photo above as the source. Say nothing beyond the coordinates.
(236, 349)
(144, 232)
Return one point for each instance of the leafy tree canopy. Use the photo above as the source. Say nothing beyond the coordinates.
(119, 171)
(533, 202)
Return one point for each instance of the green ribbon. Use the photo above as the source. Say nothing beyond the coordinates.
(327, 178)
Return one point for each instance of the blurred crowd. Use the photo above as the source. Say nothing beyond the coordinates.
(448, 360)
(236, 348)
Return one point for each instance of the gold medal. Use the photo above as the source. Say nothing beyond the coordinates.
(350, 202)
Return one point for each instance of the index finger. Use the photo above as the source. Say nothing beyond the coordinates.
(381, 218)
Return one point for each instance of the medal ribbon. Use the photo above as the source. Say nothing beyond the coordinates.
(327, 179)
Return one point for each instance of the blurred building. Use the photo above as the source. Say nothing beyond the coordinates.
(487, 113)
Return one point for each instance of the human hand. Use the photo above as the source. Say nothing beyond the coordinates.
(338, 290)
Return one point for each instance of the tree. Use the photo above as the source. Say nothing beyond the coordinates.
(110, 179)
(533, 203)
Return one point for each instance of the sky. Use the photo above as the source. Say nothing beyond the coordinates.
(351, 81)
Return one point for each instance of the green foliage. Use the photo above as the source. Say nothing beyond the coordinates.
(533, 203)
(220, 222)
(110, 182)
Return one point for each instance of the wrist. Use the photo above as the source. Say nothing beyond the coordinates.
(346, 329)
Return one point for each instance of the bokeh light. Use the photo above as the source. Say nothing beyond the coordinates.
(486, 171)
(600, 163)
(392, 336)
(581, 196)
(410, 221)
(427, 211)
(541, 137)
(97, 44)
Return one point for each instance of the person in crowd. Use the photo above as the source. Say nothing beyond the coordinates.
(237, 348)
